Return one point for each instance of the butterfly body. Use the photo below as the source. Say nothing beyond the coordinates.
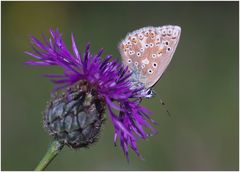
(147, 52)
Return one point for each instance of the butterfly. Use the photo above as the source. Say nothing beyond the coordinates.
(147, 52)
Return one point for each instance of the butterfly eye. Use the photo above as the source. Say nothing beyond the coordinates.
(151, 44)
(136, 63)
(169, 49)
(150, 71)
(142, 49)
(129, 60)
(149, 92)
(154, 65)
(146, 45)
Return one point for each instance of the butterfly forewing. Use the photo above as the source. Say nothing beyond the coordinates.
(149, 51)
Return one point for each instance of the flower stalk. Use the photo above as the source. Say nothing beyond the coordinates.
(54, 148)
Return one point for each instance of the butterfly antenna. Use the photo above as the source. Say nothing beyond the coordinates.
(164, 105)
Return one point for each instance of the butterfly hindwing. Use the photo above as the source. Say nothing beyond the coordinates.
(150, 50)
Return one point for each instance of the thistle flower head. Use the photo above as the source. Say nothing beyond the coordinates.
(106, 81)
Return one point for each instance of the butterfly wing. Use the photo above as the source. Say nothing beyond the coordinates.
(149, 51)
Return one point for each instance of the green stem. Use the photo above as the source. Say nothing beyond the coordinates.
(52, 152)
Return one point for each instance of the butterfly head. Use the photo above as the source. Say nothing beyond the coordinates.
(149, 93)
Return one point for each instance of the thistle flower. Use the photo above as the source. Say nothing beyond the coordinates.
(74, 114)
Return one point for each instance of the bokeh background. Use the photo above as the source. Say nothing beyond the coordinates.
(200, 87)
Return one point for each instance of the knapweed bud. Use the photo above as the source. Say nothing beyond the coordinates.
(75, 116)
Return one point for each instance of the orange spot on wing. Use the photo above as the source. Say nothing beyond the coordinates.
(160, 50)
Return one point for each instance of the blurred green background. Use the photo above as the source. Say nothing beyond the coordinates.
(200, 87)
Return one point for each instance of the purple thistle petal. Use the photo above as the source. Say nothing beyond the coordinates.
(115, 139)
(118, 124)
(74, 47)
(38, 43)
(33, 55)
(60, 81)
(45, 40)
(100, 53)
(37, 63)
(54, 76)
(112, 104)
